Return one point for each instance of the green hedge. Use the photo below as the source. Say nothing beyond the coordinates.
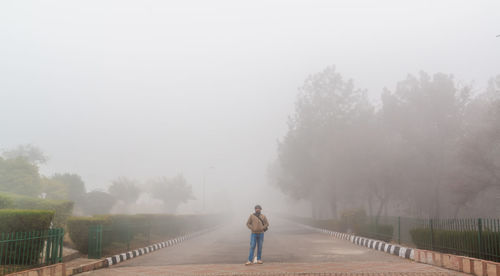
(78, 230)
(16, 224)
(24, 220)
(458, 242)
(124, 231)
(62, 208)
(381, 232)
(353, 221)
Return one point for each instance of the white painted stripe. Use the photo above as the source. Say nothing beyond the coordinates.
(402, 252)
(110, 261)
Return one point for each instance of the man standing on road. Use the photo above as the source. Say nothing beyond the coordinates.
(258, 223)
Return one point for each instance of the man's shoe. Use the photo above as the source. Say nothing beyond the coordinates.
(248, 263)
(259, 262)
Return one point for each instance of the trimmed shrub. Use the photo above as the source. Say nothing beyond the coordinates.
(62, 208)
(78, 230)
(5, 201)
(122, 232)
(352, 220)
(381, 232)
(15, 224)
(24, 220)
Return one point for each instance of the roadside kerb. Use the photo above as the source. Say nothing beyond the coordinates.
(464, 264)
(403, 252)
(113, 260)
(51, 270)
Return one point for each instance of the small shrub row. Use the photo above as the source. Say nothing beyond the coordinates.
(24, 220)
(14, 225)
(78, 230)
(353, 221)
(382, 232)
(121, 231)
(62, 208)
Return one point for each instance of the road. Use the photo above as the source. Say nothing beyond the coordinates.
(288, 249)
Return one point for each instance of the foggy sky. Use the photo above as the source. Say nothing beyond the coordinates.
(151, 88)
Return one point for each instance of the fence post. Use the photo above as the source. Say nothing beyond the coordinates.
(46, 235)
(128, 236)
(480, 237)
(432, 234)
(95, 242)
(399, 230)
(149, 232)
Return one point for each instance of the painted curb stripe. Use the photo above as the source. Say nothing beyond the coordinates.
(403, 252)
(148, 249)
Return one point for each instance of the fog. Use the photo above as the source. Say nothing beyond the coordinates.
(147, 89)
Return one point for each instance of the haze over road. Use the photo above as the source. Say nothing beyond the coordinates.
(288, 248)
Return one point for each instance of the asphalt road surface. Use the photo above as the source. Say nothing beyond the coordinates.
(288, 249)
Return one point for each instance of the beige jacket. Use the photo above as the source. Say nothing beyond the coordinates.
(256, 225)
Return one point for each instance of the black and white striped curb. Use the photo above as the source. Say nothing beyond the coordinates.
(403, 252)
(154, 247)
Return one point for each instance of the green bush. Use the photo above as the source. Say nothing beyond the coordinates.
(24, 220)
(78, 230)
(458, 242)
(62, 208)
(5, 201)
(122, 232)
(381, 232)
(15, 224)
(352, 220)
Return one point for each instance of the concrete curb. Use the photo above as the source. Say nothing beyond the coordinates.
(397, 250)
(51, 270)
(107, 262)
(464, 264)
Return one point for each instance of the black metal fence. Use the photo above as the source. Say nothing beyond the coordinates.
(478, 237)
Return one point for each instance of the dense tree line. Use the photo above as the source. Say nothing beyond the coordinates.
(19, 174)
(430, 149)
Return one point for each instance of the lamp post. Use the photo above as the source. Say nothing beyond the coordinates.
(204, 184)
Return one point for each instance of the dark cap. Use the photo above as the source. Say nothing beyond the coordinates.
(258, 207)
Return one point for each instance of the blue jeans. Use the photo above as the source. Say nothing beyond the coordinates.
(256, 239)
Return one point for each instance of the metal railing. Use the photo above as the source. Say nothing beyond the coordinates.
(478, 237)
(25, 250)
(95, 242)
